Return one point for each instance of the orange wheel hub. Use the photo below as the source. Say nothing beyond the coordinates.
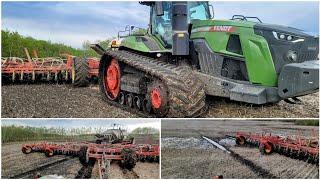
(268, 148)
(112, 79)
(156, 98)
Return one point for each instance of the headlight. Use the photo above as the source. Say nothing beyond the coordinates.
(287, 37)
(292, 55)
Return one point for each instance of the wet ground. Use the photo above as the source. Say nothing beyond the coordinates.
(185, 154)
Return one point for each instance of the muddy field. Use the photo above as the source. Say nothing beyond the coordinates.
(185, 154)
(15, 164)
(64, 101)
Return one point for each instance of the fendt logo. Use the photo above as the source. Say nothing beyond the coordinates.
(222, 29)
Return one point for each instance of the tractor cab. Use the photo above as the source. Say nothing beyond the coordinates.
(163, 14)
(115, 134)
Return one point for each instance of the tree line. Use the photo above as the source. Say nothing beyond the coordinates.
(14, 133)
(13, 45)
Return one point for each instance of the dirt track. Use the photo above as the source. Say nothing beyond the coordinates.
(64, 101)
(185, 155)
(14, 163)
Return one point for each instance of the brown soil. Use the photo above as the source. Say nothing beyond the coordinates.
(65, 101)
(56, 101)
(14, 162)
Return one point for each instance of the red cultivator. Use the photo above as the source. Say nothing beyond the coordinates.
(297, 147)
(126, 153)
(72, 69)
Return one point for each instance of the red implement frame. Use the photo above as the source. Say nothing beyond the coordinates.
(101, 153)
(49, 69)
(293, 146)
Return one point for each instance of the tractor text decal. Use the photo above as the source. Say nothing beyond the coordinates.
(222, 29)
(215, 29)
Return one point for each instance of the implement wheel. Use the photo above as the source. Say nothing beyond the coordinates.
(26, 150)
(80, 72)
(129, 158)
(241, 140)
(48, 152)
(111, 79)
(266, 148)
(158, 94)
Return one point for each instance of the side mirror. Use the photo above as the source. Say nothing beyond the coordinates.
(158, 8)
(211, 11)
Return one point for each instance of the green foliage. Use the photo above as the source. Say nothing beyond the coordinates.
(307, 122)
(154, 133)
(13, 45)
(21, 133)
(140, 31)
(145, 130)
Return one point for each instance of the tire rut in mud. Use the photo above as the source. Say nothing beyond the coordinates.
(86, 171)
(261, 172)
(39, 168)
(130, 174)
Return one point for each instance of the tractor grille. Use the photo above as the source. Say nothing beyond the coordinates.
(307, 50)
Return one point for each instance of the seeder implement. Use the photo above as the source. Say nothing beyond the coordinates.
(127, 154)
(79, 71)
(296, 147)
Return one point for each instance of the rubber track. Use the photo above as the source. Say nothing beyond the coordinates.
(23, 174)
(82, 72)
(186, 92)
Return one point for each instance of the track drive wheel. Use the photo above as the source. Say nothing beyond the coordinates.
(111, 79)
(26, 150)
(159, 99)
(80, 72)
(241, 140)
(266, 148)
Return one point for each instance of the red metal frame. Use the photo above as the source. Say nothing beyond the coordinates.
(296, 145)
(19, 68)
(97, 151)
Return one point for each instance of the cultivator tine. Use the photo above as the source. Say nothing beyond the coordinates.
(13, 76)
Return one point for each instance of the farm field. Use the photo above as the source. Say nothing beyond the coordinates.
(65, 101)
(186, 155)
(67, 167)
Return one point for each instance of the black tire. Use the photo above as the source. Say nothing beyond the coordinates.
(81, 70)
(241, 141)
(129, 158)
(83, 155)
(48, 153)
(27, 150)
(264, 150)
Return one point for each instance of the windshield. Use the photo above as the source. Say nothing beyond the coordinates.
(162, 25)
(198, 10)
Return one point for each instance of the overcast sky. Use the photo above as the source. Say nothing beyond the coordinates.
(72, 23)
(130, 124)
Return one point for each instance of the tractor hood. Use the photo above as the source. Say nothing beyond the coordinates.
(279, 29)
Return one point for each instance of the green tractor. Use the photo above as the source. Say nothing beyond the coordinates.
(187, 55)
